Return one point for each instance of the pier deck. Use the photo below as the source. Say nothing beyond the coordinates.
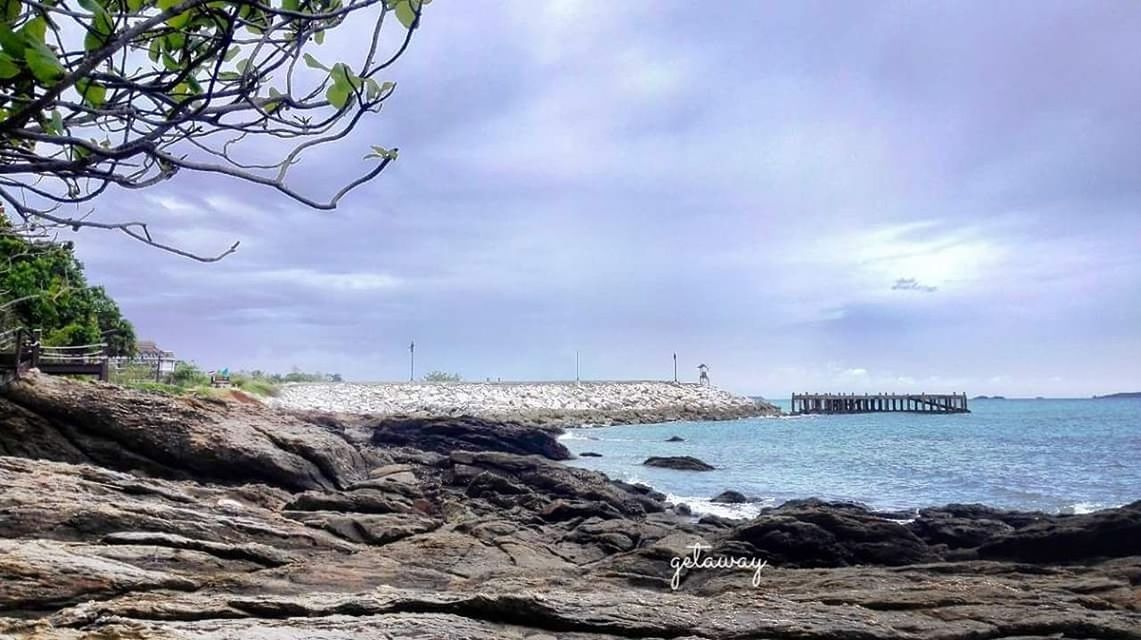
(879, 403)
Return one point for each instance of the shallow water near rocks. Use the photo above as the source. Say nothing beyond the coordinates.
(1067, 456)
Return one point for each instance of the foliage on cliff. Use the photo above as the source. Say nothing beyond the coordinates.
(42, 286)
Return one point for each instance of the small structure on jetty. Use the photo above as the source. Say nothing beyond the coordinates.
(880, 403)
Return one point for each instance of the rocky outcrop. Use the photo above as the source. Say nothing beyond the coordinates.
(444, 435)
(681, 463)
(57, 419)
(421, 543)
(553, 404)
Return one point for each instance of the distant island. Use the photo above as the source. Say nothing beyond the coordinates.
(989, 398)
(1129, 394)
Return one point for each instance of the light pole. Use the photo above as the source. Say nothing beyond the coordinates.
(576, 376)
(675, 368)
(412, 361)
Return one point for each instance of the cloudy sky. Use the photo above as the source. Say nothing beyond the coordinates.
(851, 196)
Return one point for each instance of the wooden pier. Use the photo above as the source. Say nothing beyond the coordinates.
(880, 403)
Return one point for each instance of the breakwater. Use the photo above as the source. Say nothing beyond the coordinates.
(563, 404)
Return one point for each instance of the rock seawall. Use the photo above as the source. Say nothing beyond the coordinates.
(563, 404)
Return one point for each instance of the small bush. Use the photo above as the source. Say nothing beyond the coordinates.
(442, 376)
(188, 375)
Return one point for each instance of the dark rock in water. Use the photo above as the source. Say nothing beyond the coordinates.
(730, 497)
(675, 439)
(444, 435)
(589, 454)
(683, 463)
(1103, 534)
(683, 509)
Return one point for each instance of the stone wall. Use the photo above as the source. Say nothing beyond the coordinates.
(554, 403)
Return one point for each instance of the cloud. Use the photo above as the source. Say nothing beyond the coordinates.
(911, 284)
(715, 182)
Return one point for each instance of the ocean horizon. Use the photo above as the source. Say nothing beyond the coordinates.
(1054, 455)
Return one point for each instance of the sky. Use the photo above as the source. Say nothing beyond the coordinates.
(809, 196)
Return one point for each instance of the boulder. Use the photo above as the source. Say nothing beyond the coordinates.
(675, 439)
(589, 454)
(444, 435)
(683, 463)
(730, 497)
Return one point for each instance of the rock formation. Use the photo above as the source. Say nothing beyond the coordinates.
(232, 521)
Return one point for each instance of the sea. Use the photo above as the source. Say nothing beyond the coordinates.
(1051, 455)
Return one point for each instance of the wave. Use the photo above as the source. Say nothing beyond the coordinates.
(570, 435)
(703, 506)
(1079, 508)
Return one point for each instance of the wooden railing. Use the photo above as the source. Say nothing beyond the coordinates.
(21, 350)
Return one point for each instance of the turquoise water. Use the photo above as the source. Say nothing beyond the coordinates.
(1050, 455)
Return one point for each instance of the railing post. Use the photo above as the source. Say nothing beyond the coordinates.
(36, 335)
(19, 351)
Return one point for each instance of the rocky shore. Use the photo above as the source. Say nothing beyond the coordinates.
(556, 404)
(126, 515)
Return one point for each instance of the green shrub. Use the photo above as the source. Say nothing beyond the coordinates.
(187, 375)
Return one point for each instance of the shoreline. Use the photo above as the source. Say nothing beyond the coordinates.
(137, 515)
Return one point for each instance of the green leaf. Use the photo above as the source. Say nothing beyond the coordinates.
(232, 53)
(8, 67)
(314, 63)
(242, 65)
(93, 94)
(42, 62)
(155, 49)
(271, 107)
(35, 30)
(56, 123)
(405, 13)
(11, 10)
(12, 43)
(291, 5)
(229, 76)
(170, 63)
(373, 91)
(319, 37)
(338, 95)
(179, 20)
(166, 4)
(134, 5)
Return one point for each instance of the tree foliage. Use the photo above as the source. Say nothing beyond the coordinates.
(95, 93)
(42, 286)
(442, 376)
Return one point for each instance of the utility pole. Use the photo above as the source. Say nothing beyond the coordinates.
(576, 376)
(675, 368)
(412, 362)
